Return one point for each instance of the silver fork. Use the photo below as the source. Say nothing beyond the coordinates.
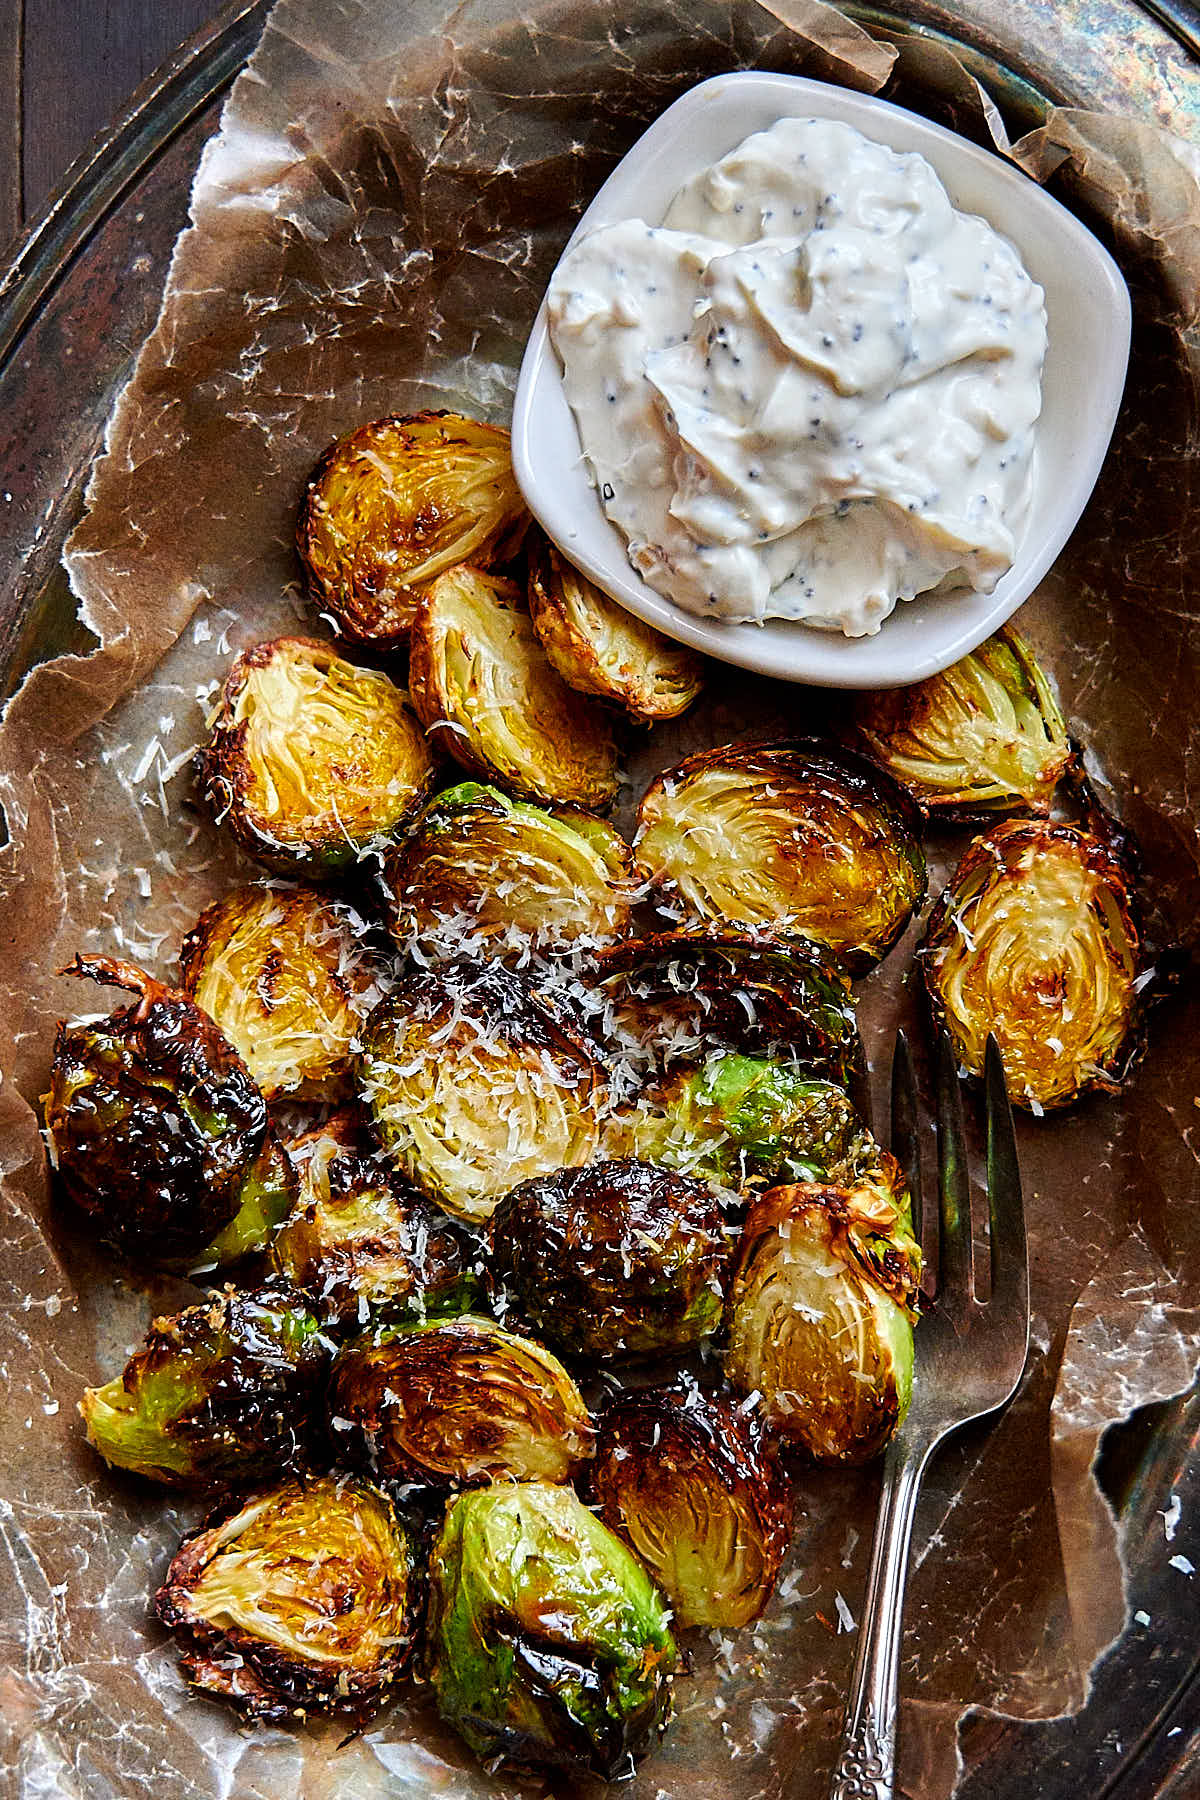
(969, 1359)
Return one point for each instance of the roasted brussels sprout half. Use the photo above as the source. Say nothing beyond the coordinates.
(684, 1477)
(548, 1645)
(499, 874)
(820, 1315)
(312, 762)
(616, 1259)
(741, 1119)
(599, 648)
(791, 837)
(984, 736)
(1036, 941)
(453, 1403)
(360, 1242)
(301, 1597)
(490, 699)
(473, 1084)
(158, 1132)
(287, 977)
(393, 505)
(219, 1394)
(684, 993)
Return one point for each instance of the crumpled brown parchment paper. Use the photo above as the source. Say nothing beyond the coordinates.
(372, 229)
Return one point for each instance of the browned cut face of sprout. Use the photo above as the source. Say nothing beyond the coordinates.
(1036, 942)
(285, 974)
(396, 503)
(489, 697)
(787, 837)
(599, 648)
(984, 736)
(312, 762)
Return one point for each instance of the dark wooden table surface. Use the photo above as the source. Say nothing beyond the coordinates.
(66, 67)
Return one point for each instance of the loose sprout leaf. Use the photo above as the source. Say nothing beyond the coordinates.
(312, 761)
(1036, 942)
(984, 736)
(787, 837)
(396, 503)
(451, 1404)
(302, 1596)
(489, 697)
(598, 648)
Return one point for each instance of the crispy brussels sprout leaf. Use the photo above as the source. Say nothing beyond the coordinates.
(820, 1323)
(599, 648)
(787, 837)
(219, 1394)
(684, 1477)
(1037, 941)
(300, 1597)
(548, 1645)
(287, 976)
(473, 1085)
(360, 1242)
(498, 875)
(157, 1130)
(984, 736)
(312, 762)
(489, 698)
(616, 1259)
(454, 1403)
(393, 505)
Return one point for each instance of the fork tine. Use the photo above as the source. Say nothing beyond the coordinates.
(1010, 1266)
(955, 1288)
(906, 1138)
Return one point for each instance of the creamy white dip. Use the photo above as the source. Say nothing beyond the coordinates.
(812, 390)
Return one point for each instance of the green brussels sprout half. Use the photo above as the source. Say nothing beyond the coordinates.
(359, 1242)
(1036, 942)
(820, 1314)
(984, 736)
(157, 1131)
(219, 1394)
(482, 870)
(687, 1480)
(616, 1259)
(457, 1402)
(301, 1597)
(787, 837)
(473, 1084)
(548, 1645)
(312, 762)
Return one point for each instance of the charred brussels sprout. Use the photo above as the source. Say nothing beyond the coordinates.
(312, 762)
(1036, 940)
(359, 1242)
(617, 1259)
(685, 1479)
(219, 1394)
(392, 505)
(820, 1320)
(490, 699)
(158, 1132)
(548, 1645)
(300, 1597)
(599, 648)
(457, 1403)
(285, 974)
(482, 869)
(473, 1084)
(788, 837)
(984, 736)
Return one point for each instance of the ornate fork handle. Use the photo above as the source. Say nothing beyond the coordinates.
(866, 1765)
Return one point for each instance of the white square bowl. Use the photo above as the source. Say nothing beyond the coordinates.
(1088, 317)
